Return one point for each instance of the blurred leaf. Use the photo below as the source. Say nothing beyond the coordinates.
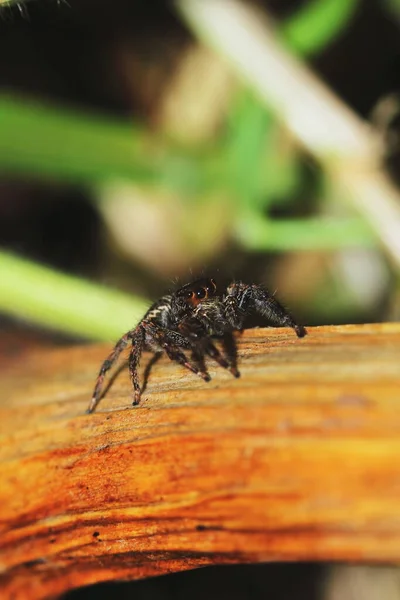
(317, 233)
(161, 230)
(394, 7)
(259, 173)
(317, 23)
(71, 146)
(52, 299)
(281, 174)
(248, 127)
(79, 147)
(54, 142)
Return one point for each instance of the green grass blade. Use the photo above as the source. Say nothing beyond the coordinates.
(317, 24)
(47, 141)
(314, 233)
(69, 304)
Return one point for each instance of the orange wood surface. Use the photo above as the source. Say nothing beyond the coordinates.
(296, 460)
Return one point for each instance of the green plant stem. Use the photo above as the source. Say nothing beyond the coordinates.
(69, 304)
(255, 232)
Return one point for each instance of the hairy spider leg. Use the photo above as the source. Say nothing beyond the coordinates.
(267, 305)
(216, 355)
(196, 328)
(193, 329)
(260, 300)
(179, 357)
(158, 335)
(171, 342)
(134, 358)
(199, 359)
(224, 361)
(107, 364)
(230, 351)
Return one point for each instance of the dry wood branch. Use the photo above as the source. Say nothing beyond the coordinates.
(296, 460)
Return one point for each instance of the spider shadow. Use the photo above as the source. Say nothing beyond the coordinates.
(124, 365)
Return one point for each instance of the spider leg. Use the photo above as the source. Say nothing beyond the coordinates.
(215, 354)
(160, 336)
(149, 366)
(195, 329)
(107, 364)
(243, 298)
(199, 359)
(175, 354)
(228, 361)
(230, 351)
(134, 358)
(171, 342)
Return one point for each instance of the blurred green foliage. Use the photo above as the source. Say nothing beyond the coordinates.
(54, 143)
(394, 7)
(44, 296)
(316, 24)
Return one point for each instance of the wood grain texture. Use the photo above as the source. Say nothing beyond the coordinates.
(296, 460)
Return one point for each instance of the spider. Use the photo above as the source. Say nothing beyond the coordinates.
(190, 319)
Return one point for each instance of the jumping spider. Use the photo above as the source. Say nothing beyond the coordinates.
(189, 319)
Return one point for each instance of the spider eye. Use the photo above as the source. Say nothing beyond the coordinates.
(201, 293)
(189, 294)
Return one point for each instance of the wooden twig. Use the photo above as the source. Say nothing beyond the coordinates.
(297, 460)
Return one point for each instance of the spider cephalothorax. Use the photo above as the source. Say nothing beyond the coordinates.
(190, 319)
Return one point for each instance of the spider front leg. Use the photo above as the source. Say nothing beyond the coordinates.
(172, 342)
(230, 351)
(179, 357)
(228, 360)
(243, 298)
(196, 330)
